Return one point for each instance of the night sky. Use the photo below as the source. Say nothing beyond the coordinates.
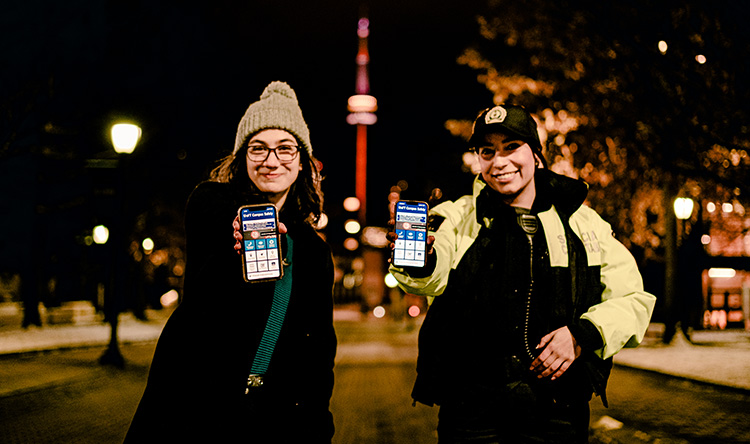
(186, 73)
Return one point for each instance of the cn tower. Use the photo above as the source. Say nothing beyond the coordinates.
(362, 107)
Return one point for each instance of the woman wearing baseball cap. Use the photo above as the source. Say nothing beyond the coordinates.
(531, 297)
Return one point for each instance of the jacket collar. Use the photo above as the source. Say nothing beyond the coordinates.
(565, 193)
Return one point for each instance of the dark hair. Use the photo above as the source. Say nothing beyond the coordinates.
(305, 199)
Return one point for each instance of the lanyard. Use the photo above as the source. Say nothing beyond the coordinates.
(281, 293)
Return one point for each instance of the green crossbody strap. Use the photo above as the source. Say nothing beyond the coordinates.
(281, 293)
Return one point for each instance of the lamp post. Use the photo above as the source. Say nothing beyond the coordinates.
(125, 137)
(682, 210)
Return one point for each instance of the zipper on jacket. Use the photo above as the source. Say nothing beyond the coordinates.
(529, 223)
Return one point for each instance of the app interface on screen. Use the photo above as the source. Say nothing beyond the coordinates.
(261, 243)
(411, 228)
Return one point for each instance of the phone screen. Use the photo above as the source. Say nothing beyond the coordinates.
(261, 247)
(411, 228)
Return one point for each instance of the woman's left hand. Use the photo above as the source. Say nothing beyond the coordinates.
(238, 233)
(560, 350)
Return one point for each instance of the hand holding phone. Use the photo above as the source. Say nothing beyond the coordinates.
(238, 247)
(260, 243)
(410, 240)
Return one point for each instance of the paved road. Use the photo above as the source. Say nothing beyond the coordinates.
(73, 400)
(661, 409)
(374, 373)
(69, 398)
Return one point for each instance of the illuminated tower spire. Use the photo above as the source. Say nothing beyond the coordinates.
(363, 57)
(362, 107)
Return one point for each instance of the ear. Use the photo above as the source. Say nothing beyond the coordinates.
(538, 161)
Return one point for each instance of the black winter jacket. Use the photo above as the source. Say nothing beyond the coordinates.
(196, 385)
(471, 345)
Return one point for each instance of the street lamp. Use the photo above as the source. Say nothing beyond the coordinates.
(100, 234)
(683, 207)
(125, 137)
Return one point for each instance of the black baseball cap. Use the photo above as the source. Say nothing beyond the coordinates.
(510, 119)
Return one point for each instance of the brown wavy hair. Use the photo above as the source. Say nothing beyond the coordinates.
(305, 192)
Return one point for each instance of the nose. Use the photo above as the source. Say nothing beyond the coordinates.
(272, 160)
(499, 161)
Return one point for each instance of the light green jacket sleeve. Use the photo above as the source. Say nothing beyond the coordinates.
(624, 314)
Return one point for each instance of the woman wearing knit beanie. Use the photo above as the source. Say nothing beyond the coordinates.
(198, 382)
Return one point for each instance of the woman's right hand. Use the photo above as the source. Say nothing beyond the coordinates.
(391, 235)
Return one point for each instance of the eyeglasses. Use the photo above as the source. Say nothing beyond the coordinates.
(488, 152)
(285, 153)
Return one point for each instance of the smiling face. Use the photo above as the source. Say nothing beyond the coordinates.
(508, 166)
(270, 175)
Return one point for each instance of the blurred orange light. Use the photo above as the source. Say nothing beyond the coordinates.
(148, 245)
(351, 244)
(351, 204)
(361, 118)
(721, 273)
(362, 103)
(390, 281)
(352, 226)
(414, 311)
(169, 298)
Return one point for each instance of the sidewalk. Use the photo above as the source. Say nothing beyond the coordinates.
(720, 357)
(716, 357)
(14, 341)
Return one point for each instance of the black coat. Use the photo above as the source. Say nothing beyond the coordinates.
(197, 380)
(475, 328)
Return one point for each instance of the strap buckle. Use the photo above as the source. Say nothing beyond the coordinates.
(253, 381)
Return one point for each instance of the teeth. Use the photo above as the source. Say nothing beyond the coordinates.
(505, 176)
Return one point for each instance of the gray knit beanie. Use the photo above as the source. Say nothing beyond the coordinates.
(277, 108)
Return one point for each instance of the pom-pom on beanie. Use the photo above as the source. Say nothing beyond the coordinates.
(278, 109)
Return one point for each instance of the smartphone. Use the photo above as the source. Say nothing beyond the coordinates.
(261, 246)
(411, 228)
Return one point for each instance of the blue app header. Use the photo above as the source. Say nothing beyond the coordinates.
(411, 212)
(258, 219)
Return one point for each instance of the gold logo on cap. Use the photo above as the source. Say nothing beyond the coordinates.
(495, 115)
